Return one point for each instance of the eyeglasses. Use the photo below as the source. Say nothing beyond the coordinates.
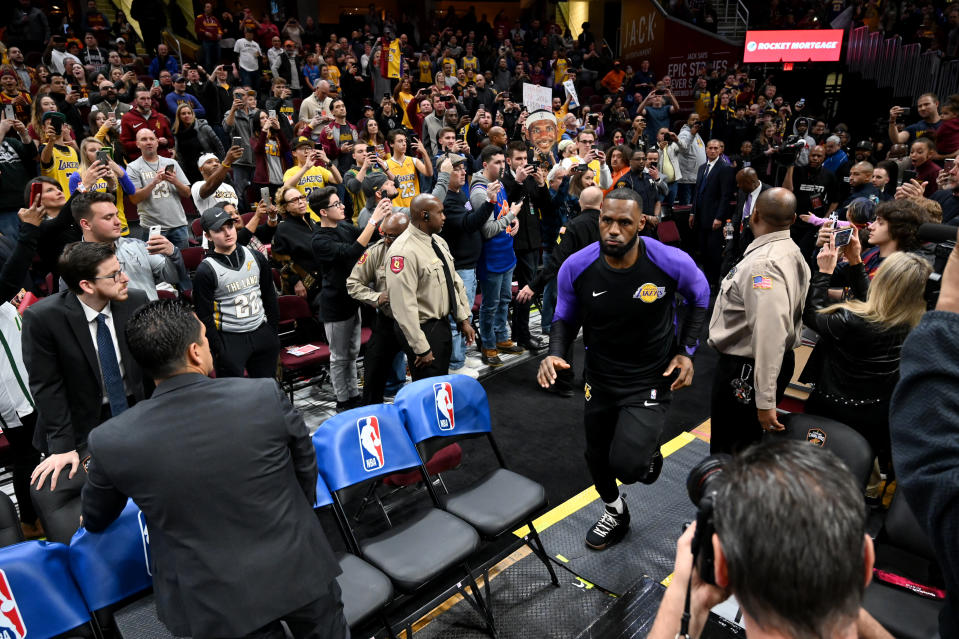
(113, 276)
(294, 200)
(335, 205)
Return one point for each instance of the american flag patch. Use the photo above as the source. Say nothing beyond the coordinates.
(761, 281)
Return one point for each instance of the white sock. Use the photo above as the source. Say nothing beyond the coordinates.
(617, 505)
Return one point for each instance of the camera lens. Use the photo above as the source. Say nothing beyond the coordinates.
(703, 476)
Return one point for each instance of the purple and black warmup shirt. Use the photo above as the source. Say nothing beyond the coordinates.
(629, 316)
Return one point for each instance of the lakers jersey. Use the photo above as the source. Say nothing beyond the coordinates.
(470, 63)
(315, 178)
(237, 307)
(426, 71)
(66, 162)
(406, 180)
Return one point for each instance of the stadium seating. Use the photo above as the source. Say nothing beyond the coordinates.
(851, 447)
(294, 369)
(10, 531)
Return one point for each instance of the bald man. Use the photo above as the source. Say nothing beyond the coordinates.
(367, 285)
(425, 290)
(497, 136)
(860, 186)
(750, 187)
(756, 324)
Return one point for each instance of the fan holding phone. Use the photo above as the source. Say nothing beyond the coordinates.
(98, 172)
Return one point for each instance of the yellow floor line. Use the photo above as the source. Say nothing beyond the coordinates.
(590, 495)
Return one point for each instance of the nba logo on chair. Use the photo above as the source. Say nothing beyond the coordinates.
(11, 623)
(371, 447)
(443, 396)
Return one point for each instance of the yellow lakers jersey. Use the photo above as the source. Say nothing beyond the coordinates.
(66, 162)
(315, 178)
(406, 179)
(426, 71)
(470, 63)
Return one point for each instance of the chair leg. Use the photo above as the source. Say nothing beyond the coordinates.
(540, 551)
(477, 601)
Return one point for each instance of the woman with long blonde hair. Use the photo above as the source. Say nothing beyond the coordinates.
(856, 362)
(110, 178)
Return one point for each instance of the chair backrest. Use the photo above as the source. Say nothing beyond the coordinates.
(903, 530)
(851, 447)
(444, 406)
(112, 565)
(192, 256)
(196, 227)
(59, 510)
(361, 444)
(293, 307)
(10, 531)
(38, 597)
(323, 496)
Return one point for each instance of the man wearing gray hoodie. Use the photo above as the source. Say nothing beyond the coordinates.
(691, 156)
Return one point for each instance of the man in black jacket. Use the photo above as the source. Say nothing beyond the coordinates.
(750, 186)
(525, 183)
(711, 195)
(81, 371)
(463, 233)
(235, 545)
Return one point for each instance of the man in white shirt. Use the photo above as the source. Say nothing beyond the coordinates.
(317, 104)
(248, 62)
(214, 187)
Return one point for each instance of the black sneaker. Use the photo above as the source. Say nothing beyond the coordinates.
(655, 467)
(609, 530)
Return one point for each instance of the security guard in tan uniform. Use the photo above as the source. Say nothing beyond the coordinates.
(424, 290)
(756, 324)
(367, 285)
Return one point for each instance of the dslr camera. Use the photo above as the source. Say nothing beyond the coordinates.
(787, 152)
(702, 487)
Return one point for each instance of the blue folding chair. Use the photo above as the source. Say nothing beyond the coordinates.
(365, 590)
(38, 597)
(452, 407)
(112, 569)
(366, 443)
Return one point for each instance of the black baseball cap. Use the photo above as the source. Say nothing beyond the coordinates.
(213, 218)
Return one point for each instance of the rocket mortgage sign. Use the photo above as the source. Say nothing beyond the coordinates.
(816, 45)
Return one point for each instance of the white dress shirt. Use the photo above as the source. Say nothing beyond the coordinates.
(91, 316)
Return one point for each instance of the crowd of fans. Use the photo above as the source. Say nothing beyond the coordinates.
(294, 142)
(933, 25)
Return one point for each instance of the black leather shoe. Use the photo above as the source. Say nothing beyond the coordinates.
(534, 344)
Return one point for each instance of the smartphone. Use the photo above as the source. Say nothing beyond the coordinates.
(154, 230)
(660, 92)
(127, 68)
(908, 175)
(843, 236)
(113, 114)
(169, 168)
(103, 157)
(237, 141)
(502, 172)
(156, 83)
(272, 113)
(8, 112)
(948, 163)
(370, 148)
(35, 190)
(905, 110)
(264, 194)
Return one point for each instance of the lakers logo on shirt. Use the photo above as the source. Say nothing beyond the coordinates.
(649, 292)
(588, 394)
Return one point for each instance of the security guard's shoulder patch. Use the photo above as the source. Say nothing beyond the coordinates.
(396, 263)
(363, 257)
(762, 282)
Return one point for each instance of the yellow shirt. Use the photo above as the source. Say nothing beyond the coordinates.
(65, 163)
(559, 70)
(407, 180)
(404, 99)
(333, 74)
(315, 178)
(470, 64)
(449, 61)
(426, 71)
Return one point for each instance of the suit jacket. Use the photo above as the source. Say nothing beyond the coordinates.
(711, 201)
(742, 233)
(225, 474)
(64, 369)
(528, 237)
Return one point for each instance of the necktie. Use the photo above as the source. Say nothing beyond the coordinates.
(747, 206)
(110, 368)
(447, 274)
(702, 185)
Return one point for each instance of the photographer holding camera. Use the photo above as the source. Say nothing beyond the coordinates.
(790, 580)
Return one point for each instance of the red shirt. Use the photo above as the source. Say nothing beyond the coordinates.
(133, 121)
(21, 105)
(207, 28)
(947, 136)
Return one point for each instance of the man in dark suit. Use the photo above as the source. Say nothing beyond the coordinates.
(81, 371)
(711, 196)
(750, 186)
(225, 474)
